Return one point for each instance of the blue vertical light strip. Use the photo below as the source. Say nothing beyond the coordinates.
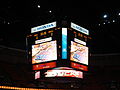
(64, 43)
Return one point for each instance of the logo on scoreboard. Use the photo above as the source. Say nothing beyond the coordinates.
(43, 27)
(79, 28)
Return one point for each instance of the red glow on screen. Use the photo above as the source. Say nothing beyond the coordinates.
(44, 66)
(79, 66)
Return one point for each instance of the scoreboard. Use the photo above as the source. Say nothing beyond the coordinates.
(58, 51)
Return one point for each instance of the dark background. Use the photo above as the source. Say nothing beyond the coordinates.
(17, 17)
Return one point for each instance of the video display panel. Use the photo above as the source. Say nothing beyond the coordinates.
(79, 66)
(44, 66)
(64, 43)
(64, 73)
(44, 52)
(37, 74)
(79, 53)
(62, 68)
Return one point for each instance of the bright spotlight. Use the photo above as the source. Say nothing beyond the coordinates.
(50, 11)
(38, 6)
(105, 16)
(119, 14)
(113, 20)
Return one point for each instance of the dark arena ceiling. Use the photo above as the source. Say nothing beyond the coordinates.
(102, 19)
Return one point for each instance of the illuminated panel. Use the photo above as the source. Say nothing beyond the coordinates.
(79, 41)
(78, 66)
(44, 52)
(79, 53)
(44, 66)
(64, 73)
(64, 43)
(43, 40)
(63, 68)
(79, 28)
(37, 74)
(43, 27)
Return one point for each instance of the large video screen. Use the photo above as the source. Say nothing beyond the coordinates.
(44, 52)
(79, 53)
